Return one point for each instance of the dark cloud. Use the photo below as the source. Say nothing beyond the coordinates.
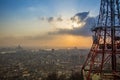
(85, 30)
(50, 19)
(78, 18)
(82, 31)
(59, 19)
(81, 16)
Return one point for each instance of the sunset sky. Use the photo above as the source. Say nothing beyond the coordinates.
(47, 23)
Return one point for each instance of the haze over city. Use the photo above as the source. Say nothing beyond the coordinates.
(47, 23)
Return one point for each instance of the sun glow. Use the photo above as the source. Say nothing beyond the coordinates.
(76, 25)
(67, 24)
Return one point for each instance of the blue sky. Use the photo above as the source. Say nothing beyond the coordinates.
(21, 18)
(19, 8)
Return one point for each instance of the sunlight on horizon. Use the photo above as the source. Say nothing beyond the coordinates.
(47, 23)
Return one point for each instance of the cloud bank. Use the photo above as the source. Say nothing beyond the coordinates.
(82, 30)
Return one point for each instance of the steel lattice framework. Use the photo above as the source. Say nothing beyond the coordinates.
(104, 56)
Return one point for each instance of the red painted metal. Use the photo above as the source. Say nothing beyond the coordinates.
(104, 54)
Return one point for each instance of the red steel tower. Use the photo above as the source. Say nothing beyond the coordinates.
(103, 59)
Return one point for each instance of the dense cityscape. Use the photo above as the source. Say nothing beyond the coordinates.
(29, 64)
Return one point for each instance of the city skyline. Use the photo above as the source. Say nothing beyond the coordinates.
(47, 23)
